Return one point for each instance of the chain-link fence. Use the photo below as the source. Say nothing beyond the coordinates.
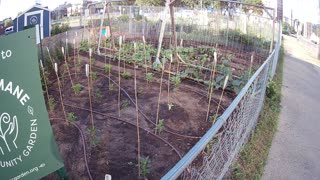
(242, 34)
(211, 157)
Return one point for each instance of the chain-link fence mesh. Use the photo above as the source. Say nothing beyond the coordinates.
(244, 35)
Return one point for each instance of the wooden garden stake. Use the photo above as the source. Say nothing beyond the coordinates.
(211, 83)
(137, 114)
(59, 86)
(159, 98)
(212, 73)
(89, 90)
(90, 68)
(224, 87)
(119, 75)
(145, 54)
(65, 59)
(169, 104)
(74, 57)
(45, 80)
(250, 70)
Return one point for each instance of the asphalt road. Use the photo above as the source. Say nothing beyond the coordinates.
(295, 151)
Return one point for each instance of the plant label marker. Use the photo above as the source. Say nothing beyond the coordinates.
(87, 70)
(135, 46)
(107, 177)
(90, 52)
(120, 41)
(181, 42)
(215, 55)
(56, 67)
(144, 40)
(62, 49)
(74, 41)
(41, 64)
(48, 50)
(225, 82)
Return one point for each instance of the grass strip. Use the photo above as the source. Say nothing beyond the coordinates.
(253, 157)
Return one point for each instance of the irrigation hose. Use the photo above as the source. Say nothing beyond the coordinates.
(83, 142)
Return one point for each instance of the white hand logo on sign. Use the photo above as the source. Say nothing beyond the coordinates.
(8, 128)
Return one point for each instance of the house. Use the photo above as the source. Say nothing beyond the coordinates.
(2, 28)
(37, 14)
(61, 11)
(74, 10)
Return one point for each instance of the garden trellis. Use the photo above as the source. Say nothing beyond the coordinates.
(201, 102)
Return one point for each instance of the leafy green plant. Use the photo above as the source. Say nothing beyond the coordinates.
(77, 88)
(108, 68)
(149, 77)
(176, 81)
(125, 104)
(94, 141)
(111, 87)
(52, 104)
(98, 94)
(84, 46)
(93, 61)
(123, 18)
(94, 75)
(126, 75)
(72, 117)
(144, 166)
(160, 126)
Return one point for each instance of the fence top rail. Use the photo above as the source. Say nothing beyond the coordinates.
(178, 169)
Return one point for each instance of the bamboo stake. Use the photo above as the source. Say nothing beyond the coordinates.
(224, 87)
(90, 68)
(250, 70)
(119, 76)
(74, 57)
(65, 59)
(89, 90)
(212, 73)
(211, 84)
(137, 111)
(169, 104)
(159, 98)
(45, 80)
(59, 86)
(145, 54)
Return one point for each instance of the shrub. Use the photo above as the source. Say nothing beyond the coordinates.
(126, 75)
(60, 28)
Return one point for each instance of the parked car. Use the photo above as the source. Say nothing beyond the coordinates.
(314, 38)
(9, 30)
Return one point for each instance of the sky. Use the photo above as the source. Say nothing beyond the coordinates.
(306, 10)
(11, 8)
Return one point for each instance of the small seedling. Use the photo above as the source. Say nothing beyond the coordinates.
(111, 87)
(213, 118)
(125, 104)
(149, 77)
(160, 126)
(98, 94)
(72, 117)
(77, 88)
(126, 75)
(92, 133)
(176, 81)
(93, 61)
(144, 166)
(52, 104)
(108, 68)
(94, 76)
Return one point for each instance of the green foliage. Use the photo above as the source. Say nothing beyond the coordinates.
(176, 80)
(94, 141)
(149, 77)
(145, 166)
(108, 68)
(94, 76)
(59, 28)
(84, 46)
(160, 126)
(98, 94)
(123, 18)
(125, 104)
(72, 117)
(77, 88)
(52, 104)
(126, 75)
(111, 87)
(93, 61)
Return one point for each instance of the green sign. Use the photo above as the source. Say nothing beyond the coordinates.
(27, 146)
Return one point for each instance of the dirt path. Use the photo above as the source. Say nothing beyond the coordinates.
(295, 150)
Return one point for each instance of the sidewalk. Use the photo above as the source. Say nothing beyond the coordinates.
(295, 151)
